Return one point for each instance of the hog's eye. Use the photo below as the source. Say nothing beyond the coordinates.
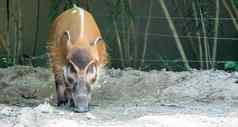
(70, 80)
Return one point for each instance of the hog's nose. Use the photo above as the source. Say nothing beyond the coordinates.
(81, 109)
(81, 104)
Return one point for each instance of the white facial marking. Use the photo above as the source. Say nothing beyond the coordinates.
(65, 73)
(94, 70)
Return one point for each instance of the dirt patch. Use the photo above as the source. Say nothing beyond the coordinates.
(23, 85)
(123, 98)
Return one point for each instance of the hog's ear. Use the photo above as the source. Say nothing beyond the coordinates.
(96, 41)
(67, 39)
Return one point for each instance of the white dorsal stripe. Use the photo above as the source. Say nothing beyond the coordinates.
(81, 11)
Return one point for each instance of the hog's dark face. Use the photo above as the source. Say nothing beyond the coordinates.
(80, 73)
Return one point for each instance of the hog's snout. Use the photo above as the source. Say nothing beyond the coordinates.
(81, 109)
(81, 104)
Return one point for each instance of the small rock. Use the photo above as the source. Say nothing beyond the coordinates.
(90, 116)
(44, 108)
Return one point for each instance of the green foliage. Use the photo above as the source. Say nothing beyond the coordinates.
(236, 3)
(231, 65)
(56, 4)
(5, 62)
(119, 7)
(121, 23)
(54, 10)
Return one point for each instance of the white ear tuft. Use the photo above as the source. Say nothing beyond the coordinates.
(67, 35)
(96, 41)
(68, 38)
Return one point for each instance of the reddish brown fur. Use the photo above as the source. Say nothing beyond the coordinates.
(58, 49)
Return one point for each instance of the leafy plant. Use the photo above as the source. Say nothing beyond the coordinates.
(122, 23)
(231, 65)
(58, 5)
(5, 62)
(236, 3)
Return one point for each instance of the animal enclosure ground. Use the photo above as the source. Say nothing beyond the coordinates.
(123, 98)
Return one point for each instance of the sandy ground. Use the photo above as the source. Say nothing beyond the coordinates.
(123, 98)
